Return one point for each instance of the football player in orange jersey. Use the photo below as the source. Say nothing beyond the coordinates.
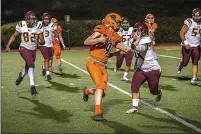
(152, 26)
(101, 43)
(56, 46)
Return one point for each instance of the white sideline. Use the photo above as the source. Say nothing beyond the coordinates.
(144, 102)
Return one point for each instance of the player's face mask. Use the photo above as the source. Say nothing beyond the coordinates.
(125, 26)
(197, 19)
(150, 20)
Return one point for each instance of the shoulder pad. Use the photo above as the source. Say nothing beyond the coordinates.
(19, 23)
(130, 29)
(189, 20)
(145, 40)
(100, 28)
(53, 25)
(39, 25)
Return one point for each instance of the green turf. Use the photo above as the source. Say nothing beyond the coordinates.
(59, 107)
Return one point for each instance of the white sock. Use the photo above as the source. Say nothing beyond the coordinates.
(135, 102)
(47, 72)
(24, 73)
(125, 74)
(43, 67)
(31, 75)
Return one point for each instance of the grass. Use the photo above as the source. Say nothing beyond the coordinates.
(59, 107)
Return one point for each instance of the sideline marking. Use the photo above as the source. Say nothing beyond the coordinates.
(144, 102)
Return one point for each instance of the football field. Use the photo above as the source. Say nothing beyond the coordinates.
(59, 107)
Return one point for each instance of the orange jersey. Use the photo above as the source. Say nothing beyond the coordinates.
(58, 30)
(152, 26)
(101, 53)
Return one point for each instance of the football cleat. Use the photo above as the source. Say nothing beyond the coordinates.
(33, 91)
(99, 117)
(179, 68)
(60, 68)
(115, 69)
(194, 81)
(132, 110)
(158, 96)
(125, 78)
(48, 77)
(19, 79)
(85, 96)
(43, 71)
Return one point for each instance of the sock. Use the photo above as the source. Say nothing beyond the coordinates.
(135, 102)
(87, 91)
(97, 109)
(23, 73)
(125, 74)
(43, 67)
(47, 72)
(31, 75)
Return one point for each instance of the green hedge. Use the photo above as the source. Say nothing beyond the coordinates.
(168, 31)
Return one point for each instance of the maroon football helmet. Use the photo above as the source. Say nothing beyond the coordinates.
(196, 15)
(142, 28)
(46, 18)
(30, 18)
(125, 24)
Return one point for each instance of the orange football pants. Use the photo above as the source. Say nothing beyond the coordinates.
(98, 74)
(57, 50)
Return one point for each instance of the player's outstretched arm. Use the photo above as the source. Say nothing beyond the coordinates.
(182, 36)
(11, 40)
(95, 39)
(122, 47)
(62, 41)
(183, 31)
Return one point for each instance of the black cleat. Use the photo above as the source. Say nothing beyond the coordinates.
(85, 96)
(99, 117)
(43, 71)
(60, 68)
(19, 79)
(158, 96)
(33, 91)
(179, 68)
(49, 77)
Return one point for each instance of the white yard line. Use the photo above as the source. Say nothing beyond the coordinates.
(166, 56)
(172, 57)
(144, 102)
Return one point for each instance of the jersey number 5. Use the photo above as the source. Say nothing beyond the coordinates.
(196, 31)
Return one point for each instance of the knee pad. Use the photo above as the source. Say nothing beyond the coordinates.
(57, 56)
(118, 65)
(195, 62)
(154, 92)
(32, 65)
(128, 64)
(134, 89)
